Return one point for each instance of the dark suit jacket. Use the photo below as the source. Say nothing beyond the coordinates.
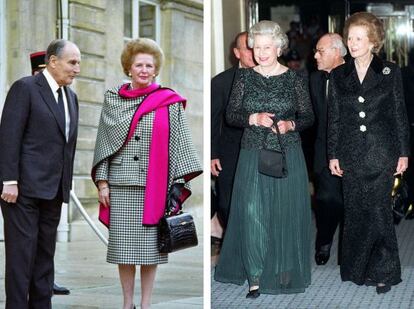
(33, 146)
(225, 139)
(320, 108)
(367, 123)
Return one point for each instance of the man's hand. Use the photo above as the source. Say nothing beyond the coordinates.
(215, 167)
(10, 193)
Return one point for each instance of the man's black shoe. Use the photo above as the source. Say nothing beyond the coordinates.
(322, 254)
(60, 290)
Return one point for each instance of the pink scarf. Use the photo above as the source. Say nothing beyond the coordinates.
(138, 92)
(158, 100)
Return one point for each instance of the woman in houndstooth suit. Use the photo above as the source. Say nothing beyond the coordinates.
(143, 151)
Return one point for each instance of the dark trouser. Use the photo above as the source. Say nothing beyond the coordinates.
(30, 228)
(224, 187)
(329, 206)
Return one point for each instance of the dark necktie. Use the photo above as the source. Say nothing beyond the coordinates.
(61, 107)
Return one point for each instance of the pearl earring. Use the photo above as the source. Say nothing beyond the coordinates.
(129, 74)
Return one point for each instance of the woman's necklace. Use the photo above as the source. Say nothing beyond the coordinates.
(363, 65)
(271, 72)
(362, 68)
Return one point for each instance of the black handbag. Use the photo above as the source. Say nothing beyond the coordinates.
(400, 205)
(273, 162)
(176, 230)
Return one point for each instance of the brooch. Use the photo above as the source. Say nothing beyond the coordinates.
(386, 71)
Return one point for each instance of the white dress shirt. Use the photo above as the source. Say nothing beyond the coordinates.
(54, 86)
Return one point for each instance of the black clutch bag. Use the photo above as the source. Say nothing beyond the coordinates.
(399, 199)
(176, 232)
(273, 162)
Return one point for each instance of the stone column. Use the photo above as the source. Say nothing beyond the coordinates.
(182, 42)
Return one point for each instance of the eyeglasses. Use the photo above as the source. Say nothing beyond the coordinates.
(321, 51)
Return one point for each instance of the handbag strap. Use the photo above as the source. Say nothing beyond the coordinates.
(278, 136)
(274, 124)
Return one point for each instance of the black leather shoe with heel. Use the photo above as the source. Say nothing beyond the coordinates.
(253, 294)
(382, 289)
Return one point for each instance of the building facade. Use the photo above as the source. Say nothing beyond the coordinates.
(100, 28)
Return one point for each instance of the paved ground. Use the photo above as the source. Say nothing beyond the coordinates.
(327, 291)
(81, 266)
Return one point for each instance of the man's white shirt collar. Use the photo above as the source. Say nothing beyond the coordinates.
(51, 81)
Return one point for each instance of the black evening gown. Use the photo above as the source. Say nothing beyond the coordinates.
(367, 132)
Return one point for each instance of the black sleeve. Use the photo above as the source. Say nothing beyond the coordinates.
(304, 113)
(333, 118)
(218, 103)
(13, 124)
(401, 120)
(312, 91)
(236, 115)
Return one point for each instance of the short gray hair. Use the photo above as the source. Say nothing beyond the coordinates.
(267, 27)
(55, 48)
(338, 43)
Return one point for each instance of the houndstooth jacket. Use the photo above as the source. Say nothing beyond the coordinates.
(127, 164)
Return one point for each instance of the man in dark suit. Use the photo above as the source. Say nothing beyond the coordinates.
(329, 54)
(225, 139)
(38, 63)
(38, 133)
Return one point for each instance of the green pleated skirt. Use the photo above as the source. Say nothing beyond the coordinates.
(267, 240)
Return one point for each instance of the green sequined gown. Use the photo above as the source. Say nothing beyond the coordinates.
(267, 240)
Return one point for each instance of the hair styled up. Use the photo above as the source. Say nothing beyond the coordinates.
(374, 26)
(267, 27)
(141, 46)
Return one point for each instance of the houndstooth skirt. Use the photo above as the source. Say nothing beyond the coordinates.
(129, 241)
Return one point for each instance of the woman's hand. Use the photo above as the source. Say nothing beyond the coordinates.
(103, 192)
(402, 165)
(261, 119)
(284, 126)
(335, 168)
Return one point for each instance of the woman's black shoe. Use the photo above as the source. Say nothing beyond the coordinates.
(382, 289)
(253, 294)
(216, 241)
(369, 282)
